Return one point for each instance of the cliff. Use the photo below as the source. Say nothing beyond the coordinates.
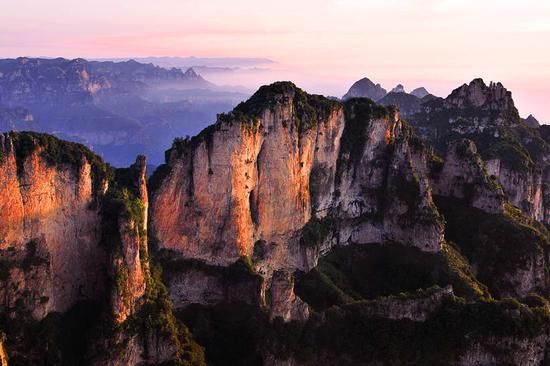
(251, 210)
(50, 228)
(296, 230)
(74, 258)
(285, 177)
(514, 153)
(3, 356)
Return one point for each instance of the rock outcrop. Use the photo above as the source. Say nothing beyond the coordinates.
(477, 94)
(73, 241)
(284, 303)
(516, 155)
(399, 88)
(194, 282)
(50, 227)
(365, 88)
(415, 308)
(285, 177)
(129, 259)
(531, 121)
(496, 351)
(464, 176)
(420, 92)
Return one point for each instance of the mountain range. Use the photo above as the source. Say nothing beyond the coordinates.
(295, 230)
(119, 109)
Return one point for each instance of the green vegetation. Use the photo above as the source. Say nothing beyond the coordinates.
(362, 272)
(315, 231)
(231, 334)
(59, 339)
(406, 188)
(358, 113)
(513, 155)
(435, 164)
(309, 109)
(156, 317)
(122, 202)
(504, 137)
(239, 272)
(347, 334)
(498, 244)
(55, 152)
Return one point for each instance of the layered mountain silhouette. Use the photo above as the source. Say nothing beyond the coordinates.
(118, 108)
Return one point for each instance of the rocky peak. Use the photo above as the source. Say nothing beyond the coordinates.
(398, 89)
(190, 74)
(464, 176)
(408, 104)
(531, 121)
(301, 110)
(365, 88)
(420, 92)
(31, 80)
(492, 97)
(129, 260)
(50, 231)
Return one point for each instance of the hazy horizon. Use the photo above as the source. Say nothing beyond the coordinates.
(323, 46)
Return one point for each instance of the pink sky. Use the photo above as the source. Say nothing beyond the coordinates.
(323, 45)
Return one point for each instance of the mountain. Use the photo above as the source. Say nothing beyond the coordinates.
(295, 230)
(76, 280)
(408, 104)
(209, 62)
(28, 81)
(15, 118)
(531, 121)
(365, 88)
(398, 89)
(321, 201)
(513, 152)
(120, 109)
(420, 92)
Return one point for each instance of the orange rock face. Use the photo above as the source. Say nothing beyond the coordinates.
(128, 264)
(49, 233)
(241, 185)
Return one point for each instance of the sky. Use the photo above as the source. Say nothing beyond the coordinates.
(323, 45)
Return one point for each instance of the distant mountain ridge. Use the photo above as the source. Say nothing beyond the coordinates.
(365, 88)
(29, 80)
(119, 109)
(531, 121)
(420, 92)
(214, 62)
